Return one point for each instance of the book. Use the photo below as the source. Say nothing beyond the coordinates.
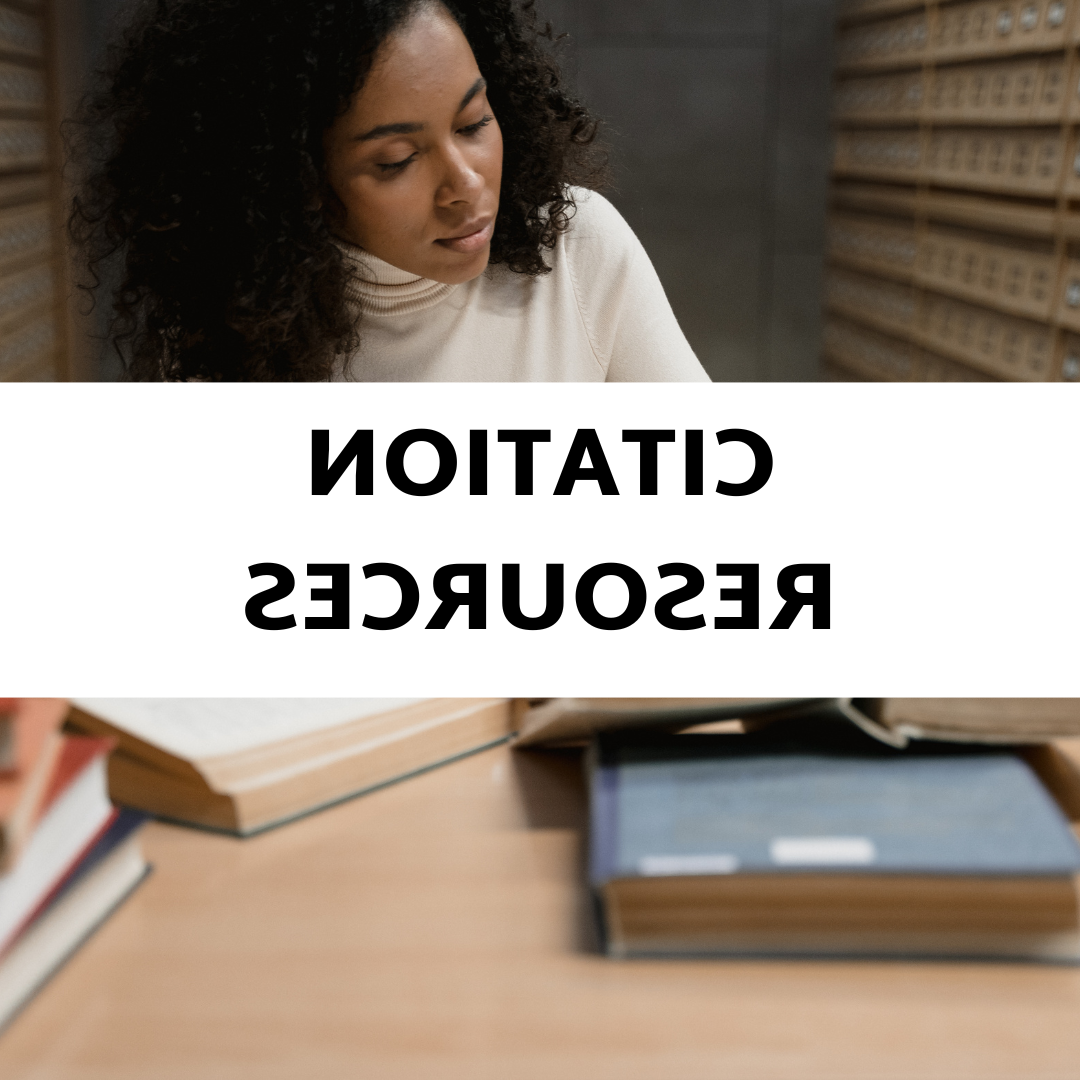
(76, 812)
(1004, 720)
(818, 840)
(104, 878)
(34, 746)
(244, 765)
(891, 720)
(562, 721)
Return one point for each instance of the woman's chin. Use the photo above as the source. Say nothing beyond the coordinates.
(454, 268)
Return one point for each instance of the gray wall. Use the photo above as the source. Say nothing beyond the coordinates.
(717, 113)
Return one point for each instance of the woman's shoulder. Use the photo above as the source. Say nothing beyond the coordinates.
(594, 219)
(598, 243)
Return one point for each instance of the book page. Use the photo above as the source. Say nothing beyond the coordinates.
(194, 728)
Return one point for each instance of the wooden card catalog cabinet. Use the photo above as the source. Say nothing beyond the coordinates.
(30, 216)
(878, 302)
(958, 129)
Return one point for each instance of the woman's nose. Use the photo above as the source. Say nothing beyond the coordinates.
(460, 181)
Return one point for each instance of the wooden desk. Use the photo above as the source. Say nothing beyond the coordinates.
(438, 929)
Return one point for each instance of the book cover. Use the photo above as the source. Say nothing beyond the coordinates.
(803, 841)
(692, 804)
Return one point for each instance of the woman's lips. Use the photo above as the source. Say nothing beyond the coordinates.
(472, 241)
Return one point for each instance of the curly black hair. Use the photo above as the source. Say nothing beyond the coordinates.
(203, 181)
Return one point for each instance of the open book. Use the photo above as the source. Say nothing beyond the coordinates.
(1048, 728)
(890, 720)
(243, 765)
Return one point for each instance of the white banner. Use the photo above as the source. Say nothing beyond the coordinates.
(914, 539)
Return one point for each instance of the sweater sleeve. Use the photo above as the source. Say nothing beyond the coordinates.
(628, 319)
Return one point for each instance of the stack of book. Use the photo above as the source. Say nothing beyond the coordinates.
(830, 827)
(67, 856)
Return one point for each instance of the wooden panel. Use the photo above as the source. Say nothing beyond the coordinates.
(941, 369)
(873, 355)
(989, 271)
(968, 30)
(873, 243)
(887, 305)
(978, 210)
(983, 212)
(21, 87)
(896, 199)
(884, 155)
(26, 294)
(1005, 92)
(27, 352)
(857, 10)
(895, 42)
(992, 146)
(22, 144)
(21, 34)
(1001, 345)
(15, 190)
(30, 217)
(1021, 162)
(1070, 366)
(1071, 182)
(25, 235)
(880, 98)
(1068, 303)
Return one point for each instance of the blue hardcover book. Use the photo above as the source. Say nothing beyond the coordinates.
(822, 841)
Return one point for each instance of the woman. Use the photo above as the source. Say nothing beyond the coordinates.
(360, 189)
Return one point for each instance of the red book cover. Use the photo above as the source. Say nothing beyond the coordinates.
(78, 753)
(75, 755)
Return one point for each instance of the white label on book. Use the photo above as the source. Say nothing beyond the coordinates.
(822, 851)
(675, 865)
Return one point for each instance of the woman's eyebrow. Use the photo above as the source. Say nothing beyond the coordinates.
(390, 129)
(473, 90)
(411, 128)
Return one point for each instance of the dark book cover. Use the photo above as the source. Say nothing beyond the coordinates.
(830, 799)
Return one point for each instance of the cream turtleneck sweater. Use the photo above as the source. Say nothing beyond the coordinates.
(601, 314)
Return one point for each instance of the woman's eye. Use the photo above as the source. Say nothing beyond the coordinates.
(396, 166)
(472, 129)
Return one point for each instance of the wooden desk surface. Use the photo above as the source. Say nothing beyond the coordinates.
(438, 929)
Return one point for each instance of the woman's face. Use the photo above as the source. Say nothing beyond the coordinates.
(416, 160)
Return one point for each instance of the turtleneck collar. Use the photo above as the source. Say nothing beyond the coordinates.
(381, 289)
